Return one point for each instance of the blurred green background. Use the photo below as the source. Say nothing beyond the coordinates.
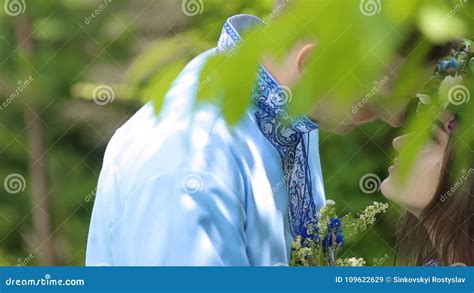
(72, 72)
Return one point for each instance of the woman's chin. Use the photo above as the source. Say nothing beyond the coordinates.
(388, 187)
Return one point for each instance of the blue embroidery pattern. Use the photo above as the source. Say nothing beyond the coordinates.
(286, 135)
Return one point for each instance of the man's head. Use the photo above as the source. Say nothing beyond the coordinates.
(330, 114)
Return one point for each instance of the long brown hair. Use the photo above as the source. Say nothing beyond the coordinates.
(444, 232)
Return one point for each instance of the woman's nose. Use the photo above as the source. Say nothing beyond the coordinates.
(399, 141)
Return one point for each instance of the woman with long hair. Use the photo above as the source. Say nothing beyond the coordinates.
(437, 227)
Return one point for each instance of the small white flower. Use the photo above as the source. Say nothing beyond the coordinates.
(330, 202)
(351, 262)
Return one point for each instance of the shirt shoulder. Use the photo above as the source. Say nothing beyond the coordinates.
(183, 136)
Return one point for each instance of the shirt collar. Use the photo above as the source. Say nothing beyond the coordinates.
(269, 96)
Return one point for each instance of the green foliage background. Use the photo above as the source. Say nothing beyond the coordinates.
(137, 49)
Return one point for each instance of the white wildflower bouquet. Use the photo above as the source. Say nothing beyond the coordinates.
(326, 240)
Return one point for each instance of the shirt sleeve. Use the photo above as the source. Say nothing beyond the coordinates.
(183, 218)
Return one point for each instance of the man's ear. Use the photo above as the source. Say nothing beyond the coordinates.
(288, 69)
(303, 55)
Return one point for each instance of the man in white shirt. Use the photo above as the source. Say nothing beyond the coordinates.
(185, 188)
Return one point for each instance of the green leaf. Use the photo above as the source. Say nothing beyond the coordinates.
(439, 24)
(161, 83)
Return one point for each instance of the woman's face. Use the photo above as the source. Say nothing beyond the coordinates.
(422, 182)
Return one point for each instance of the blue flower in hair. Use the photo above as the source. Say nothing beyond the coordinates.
(444, 66)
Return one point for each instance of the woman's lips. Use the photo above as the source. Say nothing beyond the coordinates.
(394, 166)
